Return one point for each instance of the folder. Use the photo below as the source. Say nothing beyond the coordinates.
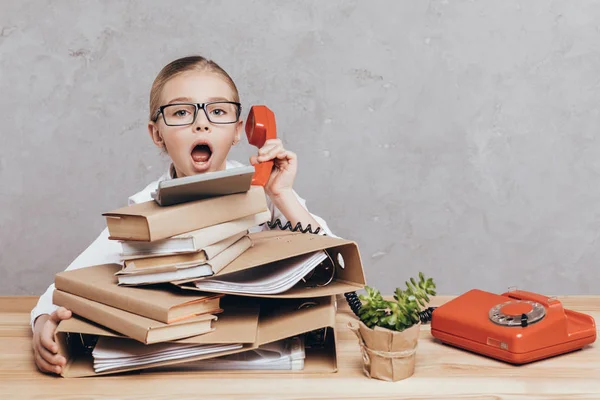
(278, 319)
(149, 222)
(314, 319)
(163, 303)
(271, 247)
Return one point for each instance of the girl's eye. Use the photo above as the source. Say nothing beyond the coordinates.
(180, 113)
(218, 111)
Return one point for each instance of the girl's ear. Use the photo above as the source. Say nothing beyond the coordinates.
(239, 129)
(155, 135)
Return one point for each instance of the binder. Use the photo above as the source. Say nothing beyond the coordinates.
(278, 319)
(274, 246)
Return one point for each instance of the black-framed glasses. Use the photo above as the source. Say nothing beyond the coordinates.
(217, 112)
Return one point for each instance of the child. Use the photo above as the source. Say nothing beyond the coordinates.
(195, 118)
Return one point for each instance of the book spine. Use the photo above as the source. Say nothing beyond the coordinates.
(100, 314)
(111, 298)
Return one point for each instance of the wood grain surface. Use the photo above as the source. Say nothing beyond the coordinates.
(441, 372)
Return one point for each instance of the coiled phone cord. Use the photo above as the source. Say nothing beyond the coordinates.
(353, 301)
(426, 315)
(351, 297)
(355, 305)
(288, 226)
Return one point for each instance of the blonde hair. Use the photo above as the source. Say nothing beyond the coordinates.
(191, 63)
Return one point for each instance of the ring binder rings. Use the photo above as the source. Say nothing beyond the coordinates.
(316, 338)
(322, 275)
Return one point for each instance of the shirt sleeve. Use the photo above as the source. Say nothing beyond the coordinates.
(101, 251)
(276, 214)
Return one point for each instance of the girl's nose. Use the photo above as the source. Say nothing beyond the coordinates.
(201, 123)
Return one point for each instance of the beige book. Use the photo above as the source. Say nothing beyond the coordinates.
(134, 326)
(136, 276)
(99, 283)
(150, 222)
(178, 261)
(206, 239)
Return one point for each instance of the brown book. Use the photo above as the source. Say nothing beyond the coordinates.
(136, 276)
(173, 262)
(99, 283)
(209, 240)
(134, 326)
(150, 222)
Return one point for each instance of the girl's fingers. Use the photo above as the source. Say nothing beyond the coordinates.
(47, 337)
(60, 314)
(289, 155)
(45, 366)
(266, 148)
(63, 313)
(285, 160)
(270, 153)
(53, 359)
(273, 142)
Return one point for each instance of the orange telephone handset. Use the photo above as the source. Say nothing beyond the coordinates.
(260, 126)
(517, 326)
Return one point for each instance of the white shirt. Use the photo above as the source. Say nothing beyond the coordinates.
(105, 251)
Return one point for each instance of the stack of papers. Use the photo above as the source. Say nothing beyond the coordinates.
(268, 279)
(114, 353)
(286, 354)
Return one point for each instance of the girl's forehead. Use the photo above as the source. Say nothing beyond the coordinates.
(197, 85)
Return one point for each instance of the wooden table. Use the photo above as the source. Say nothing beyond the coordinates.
(441, 372)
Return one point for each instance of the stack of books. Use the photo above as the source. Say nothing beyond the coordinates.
(197, 290)
(192, 255)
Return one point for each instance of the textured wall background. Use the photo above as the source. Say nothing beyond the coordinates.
(454, 138)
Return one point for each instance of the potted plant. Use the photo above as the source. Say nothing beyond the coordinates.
(388, 330)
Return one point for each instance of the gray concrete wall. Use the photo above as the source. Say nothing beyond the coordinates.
(457, 138)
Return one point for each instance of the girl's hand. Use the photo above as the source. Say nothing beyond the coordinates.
(45, 348)
(285, 165)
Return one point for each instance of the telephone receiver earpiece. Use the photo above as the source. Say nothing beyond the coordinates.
(260, 126)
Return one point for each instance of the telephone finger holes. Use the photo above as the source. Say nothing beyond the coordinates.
(517, 313)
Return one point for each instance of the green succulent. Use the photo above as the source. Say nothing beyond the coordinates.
(403, 312)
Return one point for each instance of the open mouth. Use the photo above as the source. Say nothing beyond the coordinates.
(201, 154)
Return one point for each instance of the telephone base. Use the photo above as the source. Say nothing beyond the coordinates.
(517, 326)
(512, 358)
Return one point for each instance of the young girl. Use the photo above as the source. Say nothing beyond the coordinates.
(195, 117)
